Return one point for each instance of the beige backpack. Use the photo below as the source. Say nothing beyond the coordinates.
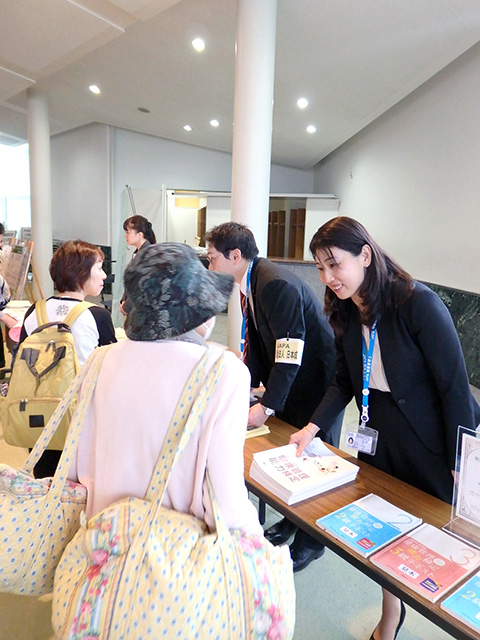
(45, 365)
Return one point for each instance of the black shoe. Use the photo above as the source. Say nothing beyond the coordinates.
(280, 532)
(302, 556)
(403, 613)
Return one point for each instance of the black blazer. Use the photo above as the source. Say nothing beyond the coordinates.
(285, 305)
(424, 367)
(127, 305)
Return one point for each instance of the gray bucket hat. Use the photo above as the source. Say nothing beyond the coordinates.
(171, 292)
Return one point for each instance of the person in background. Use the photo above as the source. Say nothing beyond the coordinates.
(6, 319)
(281, 307)
(139, 234)
(76, 271)
(399, 355)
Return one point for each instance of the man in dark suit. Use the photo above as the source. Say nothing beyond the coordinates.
(289, 348)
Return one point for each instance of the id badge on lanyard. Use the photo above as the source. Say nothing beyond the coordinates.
(365, 439)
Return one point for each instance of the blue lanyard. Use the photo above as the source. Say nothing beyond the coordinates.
(245, 312)
(367, 370)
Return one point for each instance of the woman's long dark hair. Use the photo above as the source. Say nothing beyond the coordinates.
(141, 225)
(385, 285)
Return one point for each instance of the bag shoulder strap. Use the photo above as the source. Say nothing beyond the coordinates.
(194, 400)
(198, 399)
(41, 311)
(76, 311)
(88, 375)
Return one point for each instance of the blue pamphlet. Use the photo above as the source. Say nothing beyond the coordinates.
(464, 603)
(368, 524)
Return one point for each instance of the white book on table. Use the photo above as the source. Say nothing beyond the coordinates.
(293, 478)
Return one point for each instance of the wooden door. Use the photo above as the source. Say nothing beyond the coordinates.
(300, 234)
(292, 233)
(202, 225)
(272, 234)
(280, 249)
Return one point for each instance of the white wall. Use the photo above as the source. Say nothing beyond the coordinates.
(91, 166)
(318, 211)
(412, 177)
(147, 162)
(288, 180)
(219, 209)
(81, 184)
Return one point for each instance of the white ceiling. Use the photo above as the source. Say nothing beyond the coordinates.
(352, 59)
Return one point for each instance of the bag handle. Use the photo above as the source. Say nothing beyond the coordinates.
(30, 355)
(177, 423)
(181, 427)
(88, 373)
(220, 525)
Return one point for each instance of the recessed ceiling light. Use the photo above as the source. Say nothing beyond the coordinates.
(214, 123)
(187, 127)
(94, 89)
(302, 103)
(198, 44)
(143, 110)
(311, 128)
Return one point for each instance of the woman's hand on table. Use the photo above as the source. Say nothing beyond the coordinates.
(303, 437)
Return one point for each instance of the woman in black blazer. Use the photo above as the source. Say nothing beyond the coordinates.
(139, 234)
(417, 391)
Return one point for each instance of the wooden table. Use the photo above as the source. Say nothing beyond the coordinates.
(369, 480)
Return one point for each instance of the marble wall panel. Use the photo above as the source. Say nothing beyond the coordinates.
(464, 308)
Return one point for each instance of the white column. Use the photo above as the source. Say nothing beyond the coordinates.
(252, 129)
(40, 187)
(253, 112)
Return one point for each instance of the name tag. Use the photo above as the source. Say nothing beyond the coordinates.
(289, 350)
(364, 439)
